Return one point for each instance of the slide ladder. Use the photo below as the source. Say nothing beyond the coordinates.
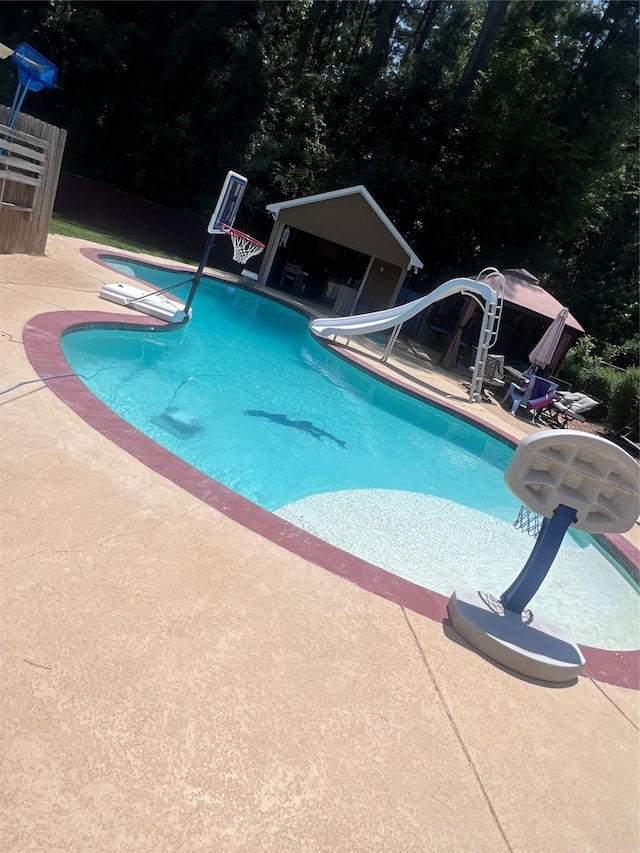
(489, 331)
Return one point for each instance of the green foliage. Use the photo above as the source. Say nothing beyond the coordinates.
(535, 168)
(580, 360)
(601, 382)
(625, 401)
(597, 271)
(624, 355)
(158, 99)
(584, 369)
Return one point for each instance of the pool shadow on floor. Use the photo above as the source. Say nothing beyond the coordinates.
(451, 634)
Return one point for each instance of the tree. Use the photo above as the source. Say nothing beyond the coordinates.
(479, 57)
(489, 132)
(386, 14)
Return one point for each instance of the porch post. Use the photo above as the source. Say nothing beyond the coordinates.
(397, 289)
(270, 252)
(362, 284)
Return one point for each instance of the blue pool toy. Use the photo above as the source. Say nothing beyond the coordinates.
(569, 478)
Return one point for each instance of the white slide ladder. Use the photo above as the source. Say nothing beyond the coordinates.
(489, 331)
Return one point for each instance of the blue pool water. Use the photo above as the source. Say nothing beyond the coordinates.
(245, 394)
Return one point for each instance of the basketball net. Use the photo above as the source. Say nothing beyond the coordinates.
(528, 521)
(244, 246)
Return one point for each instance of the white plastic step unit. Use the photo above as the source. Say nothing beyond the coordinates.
(145, 301)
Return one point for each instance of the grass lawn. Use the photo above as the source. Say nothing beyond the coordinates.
(67, 228)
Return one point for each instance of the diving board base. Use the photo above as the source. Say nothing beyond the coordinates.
(146, 301)
(520, 641)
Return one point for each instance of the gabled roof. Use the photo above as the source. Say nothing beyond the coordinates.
(277, 208)
(522, 288)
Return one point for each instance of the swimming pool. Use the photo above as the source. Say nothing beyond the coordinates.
(245, 394)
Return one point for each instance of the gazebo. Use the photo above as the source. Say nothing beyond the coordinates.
(528, 310)
(339, 248)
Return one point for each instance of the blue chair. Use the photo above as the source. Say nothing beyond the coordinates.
(533, 394)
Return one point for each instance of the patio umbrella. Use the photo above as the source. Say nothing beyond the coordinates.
(542, 354)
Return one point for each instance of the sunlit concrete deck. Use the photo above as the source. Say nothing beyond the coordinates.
(175, 682)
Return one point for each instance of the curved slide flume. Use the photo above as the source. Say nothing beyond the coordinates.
(377, 321)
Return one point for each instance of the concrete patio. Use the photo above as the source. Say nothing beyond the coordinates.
(175, 682)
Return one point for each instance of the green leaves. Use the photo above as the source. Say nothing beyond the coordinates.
(533, 167)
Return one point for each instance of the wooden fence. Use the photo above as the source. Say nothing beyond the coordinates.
(30, 161)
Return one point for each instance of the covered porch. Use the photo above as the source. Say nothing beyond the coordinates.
(338, 249)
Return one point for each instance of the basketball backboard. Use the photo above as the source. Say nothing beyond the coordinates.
(228, 203)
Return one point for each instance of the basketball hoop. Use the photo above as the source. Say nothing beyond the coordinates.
(244, 247)
(528, 521)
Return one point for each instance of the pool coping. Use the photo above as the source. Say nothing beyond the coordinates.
(42, 338)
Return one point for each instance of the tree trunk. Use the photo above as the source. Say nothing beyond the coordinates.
(326, 31)
(306, 35)
(479, 56)
(356, 42)
(589, 50)
(426, 24)
(387, 13)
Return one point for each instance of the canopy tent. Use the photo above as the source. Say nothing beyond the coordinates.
(523, 289)
(528, 310)
(536, 309)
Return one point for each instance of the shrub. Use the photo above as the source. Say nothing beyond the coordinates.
(624, 355)
(584, 370)
(601, 382)
(625, 401)
(580, 359)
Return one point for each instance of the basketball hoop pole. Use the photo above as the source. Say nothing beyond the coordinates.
(198, 275)
(225, 212)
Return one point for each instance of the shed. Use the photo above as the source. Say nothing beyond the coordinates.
(337, 247)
